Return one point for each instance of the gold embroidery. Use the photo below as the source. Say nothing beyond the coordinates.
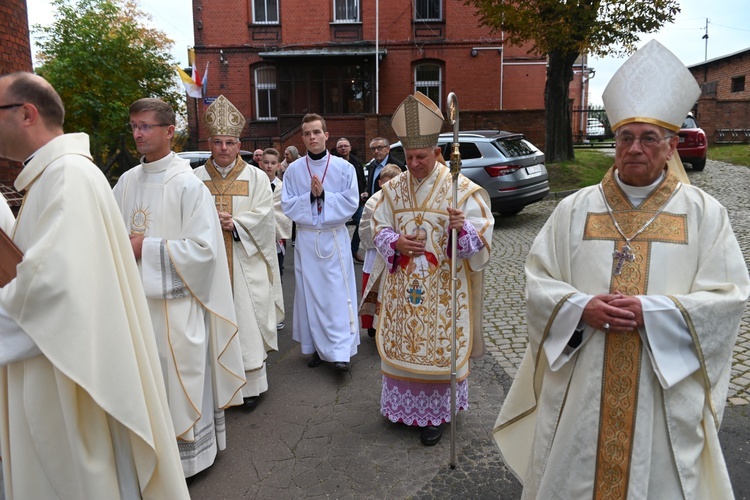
(224, 189)
(622, 352)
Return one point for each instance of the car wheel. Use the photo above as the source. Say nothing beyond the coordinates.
(511, 213)
(698, 166)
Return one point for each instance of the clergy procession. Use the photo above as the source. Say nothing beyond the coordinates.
(136, 322)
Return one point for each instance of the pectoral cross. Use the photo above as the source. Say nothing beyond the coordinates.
(622, 256)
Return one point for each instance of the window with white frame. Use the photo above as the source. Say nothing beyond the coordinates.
(428, 10)
(346, 11)
(427, 79)
(265, 11)
(265, 93)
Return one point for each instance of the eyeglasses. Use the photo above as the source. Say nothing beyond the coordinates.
(377, 148)
(8, 106)
(648, 141)
(218, 143)
(343, 146)
(145, 128)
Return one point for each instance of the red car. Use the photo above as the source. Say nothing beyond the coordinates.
(693, 145)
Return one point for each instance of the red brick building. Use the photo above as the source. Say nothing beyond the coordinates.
(354, 61)
(15, 55)
(723, 109)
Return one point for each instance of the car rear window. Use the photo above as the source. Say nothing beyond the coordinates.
(468, 151)
(514, 146)
(690, 123)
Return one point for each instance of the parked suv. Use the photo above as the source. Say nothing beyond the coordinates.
(198, 158)
(505, 164)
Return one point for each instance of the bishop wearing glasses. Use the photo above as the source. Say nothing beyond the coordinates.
(244, 203)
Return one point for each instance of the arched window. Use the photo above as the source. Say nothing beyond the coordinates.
(428, 80)
(265, 93)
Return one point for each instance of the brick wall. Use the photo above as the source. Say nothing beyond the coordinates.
(719, 107)
(15, 55)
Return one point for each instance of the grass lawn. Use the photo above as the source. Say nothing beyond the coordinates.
(590, 165)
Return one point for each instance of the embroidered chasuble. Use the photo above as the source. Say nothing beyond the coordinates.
(608, 418)
(254, 266)
(224, 190)
(414, 324)
(622, 352)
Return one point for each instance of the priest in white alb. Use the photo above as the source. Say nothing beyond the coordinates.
(635, 291)
(177, 241)
(412, 223)
(244, 206)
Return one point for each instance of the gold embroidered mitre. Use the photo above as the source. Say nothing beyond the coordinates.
(223, 118)
(417, 122)
(652, 86)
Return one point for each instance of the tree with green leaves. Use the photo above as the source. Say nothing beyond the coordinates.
(564, 29)
(100, 57)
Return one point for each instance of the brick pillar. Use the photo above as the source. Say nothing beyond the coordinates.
(15, 55)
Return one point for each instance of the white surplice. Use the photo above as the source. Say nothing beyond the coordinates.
(696, 282)
(186, 280)
(325, 296)
(88, 417)
(258, 301)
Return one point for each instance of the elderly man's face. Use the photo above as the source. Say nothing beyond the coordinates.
(379, 150)
(642, 151)
(224, 149)
(258, 156)
(421, 162)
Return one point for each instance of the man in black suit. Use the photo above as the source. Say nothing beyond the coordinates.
(381, 157)
(344, 150)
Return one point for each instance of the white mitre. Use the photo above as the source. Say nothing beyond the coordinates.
(653, 86)
(223, 118)
(417, 122)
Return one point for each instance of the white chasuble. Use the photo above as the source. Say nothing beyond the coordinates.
(325, 295)
(258, 301)
(414, 324)
(89, 417)
(556, 426)
(186, 280)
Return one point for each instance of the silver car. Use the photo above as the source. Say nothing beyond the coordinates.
(506, 165)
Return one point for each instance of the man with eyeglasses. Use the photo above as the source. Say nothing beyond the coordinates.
(83, 410)
(380, 148)
(635, 292)
(244, 203)
(176, 238)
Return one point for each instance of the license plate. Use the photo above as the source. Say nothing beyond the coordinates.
(534, 170)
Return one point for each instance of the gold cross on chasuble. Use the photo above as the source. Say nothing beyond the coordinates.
(224, 190)
(622, 351)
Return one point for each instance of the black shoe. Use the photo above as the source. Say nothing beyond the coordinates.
(431, 435)
(341, 366)
(314, 360)
(250, 403)
(371, 332)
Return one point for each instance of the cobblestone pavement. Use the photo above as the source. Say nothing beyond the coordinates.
(505, 311)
